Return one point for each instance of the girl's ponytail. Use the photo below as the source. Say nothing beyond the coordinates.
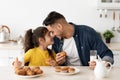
(28, 42)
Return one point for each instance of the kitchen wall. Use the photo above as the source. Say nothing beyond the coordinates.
(21, 15)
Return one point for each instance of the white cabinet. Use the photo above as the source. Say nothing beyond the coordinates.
(8, 56)
(4, 57)
(115, 47)
(8, 53)
(109, 4)
(116, 58)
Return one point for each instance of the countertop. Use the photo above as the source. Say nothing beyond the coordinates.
(11, 45)
(7, 73)
(114, 46)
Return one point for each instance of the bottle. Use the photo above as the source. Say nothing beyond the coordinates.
(20, 40)
(21, 56)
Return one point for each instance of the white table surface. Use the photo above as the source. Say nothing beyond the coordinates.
(7, 73)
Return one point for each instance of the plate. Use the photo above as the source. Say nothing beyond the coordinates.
(33, 76)
(62, 73)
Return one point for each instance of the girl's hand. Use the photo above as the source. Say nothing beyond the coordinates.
(92, 64)
(51, 62)
(17, 63)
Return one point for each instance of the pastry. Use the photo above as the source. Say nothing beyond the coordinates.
(39, 71)
(51, 62)
(20, 72)
(26, 68)
(64, 69)
(34, 67)
(57, 68)
(30, 72)
(71, 70)
(63, 53)
(48, 61)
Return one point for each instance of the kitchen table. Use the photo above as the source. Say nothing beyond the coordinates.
(7, 73)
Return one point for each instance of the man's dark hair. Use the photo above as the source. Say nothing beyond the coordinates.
(52, 18)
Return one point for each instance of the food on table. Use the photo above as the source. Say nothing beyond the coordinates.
(63, 53)
(26, 68)
(51, 62)
(20, 71)
(37, 70)
(57, 68)
(71, 70)
(28, 71)
(48, 60)
(65, 69)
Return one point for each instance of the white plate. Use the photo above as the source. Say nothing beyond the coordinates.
(62, 73)
(22, 76)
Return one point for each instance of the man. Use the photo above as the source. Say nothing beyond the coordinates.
(76, 41)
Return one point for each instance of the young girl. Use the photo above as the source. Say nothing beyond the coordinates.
(36, 48)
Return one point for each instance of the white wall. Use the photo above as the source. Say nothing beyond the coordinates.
(21, 15)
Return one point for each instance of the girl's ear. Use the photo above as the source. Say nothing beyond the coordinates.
(41, 40)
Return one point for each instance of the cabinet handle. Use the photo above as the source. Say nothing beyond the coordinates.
(10, 57)
(116, 54)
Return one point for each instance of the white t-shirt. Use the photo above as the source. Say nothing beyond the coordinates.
(69, 47)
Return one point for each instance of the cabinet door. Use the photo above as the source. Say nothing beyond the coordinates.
(4, 61)
(116, 58)
(12, 55)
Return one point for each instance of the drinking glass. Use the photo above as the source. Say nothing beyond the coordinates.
(93, 55)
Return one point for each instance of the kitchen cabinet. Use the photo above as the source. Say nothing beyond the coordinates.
(115, 47)
(4, 58)
(116, 58)
(8, 56)
(109, 4)
(8, 53)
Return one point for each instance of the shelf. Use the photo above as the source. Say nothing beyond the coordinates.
(108, 5)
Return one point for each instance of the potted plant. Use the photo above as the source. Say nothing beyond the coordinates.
(108, 35)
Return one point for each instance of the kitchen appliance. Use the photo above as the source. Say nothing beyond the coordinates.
(4, 33)
(101, 71)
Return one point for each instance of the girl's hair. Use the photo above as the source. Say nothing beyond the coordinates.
(31, 38)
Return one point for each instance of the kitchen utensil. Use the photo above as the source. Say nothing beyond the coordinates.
(100, 11)
(105, 13)
(93, 55)
(101, 71)
(20, 40)
(4, 33)
(113, 28)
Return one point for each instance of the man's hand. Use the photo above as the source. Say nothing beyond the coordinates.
(17, 63)
(61, 57)
(92, 64)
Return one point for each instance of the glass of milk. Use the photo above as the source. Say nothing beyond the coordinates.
(93, 55)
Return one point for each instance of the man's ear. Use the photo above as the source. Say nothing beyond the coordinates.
(59, 26)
